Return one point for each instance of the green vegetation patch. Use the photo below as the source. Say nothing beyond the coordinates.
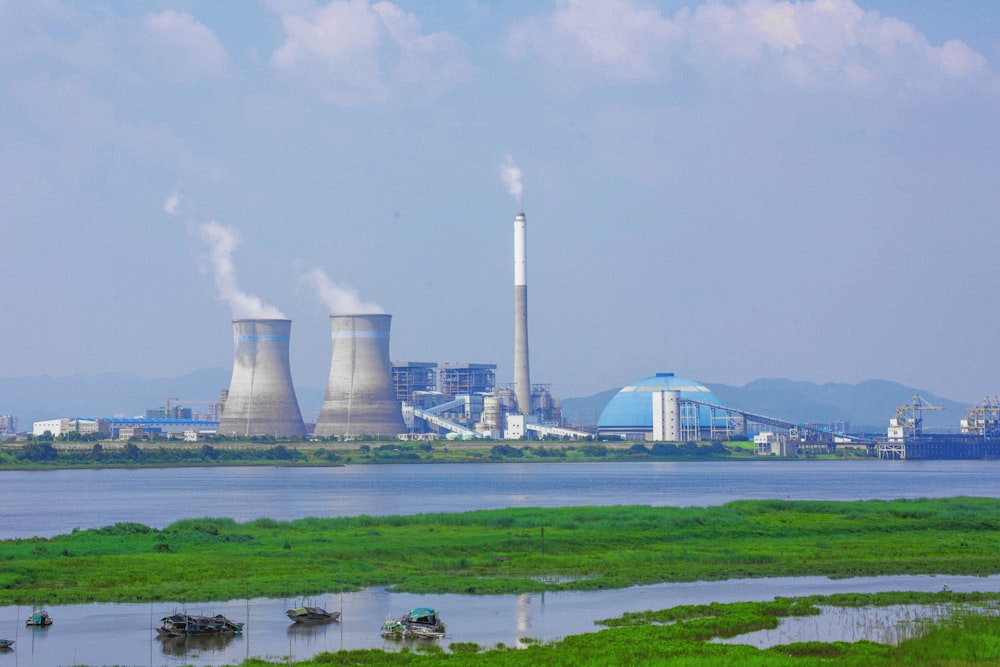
(503, 551)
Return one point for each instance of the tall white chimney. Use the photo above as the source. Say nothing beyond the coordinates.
(522, 381)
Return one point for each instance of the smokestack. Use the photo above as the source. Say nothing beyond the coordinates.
(261, 399)
(360, 397)
(522, 381)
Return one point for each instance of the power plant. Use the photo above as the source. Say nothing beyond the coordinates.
(360, 396)
(369, 396)
(261, 399)
(366, 394)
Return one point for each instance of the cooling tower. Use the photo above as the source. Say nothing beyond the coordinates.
(261, 399)
(522, 382)
(360, 398)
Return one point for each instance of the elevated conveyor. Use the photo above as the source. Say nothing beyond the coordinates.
(441, 422)
(557, 431)
(802, 430)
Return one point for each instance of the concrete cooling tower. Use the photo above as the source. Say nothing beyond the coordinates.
(360, 398)
(261, 399)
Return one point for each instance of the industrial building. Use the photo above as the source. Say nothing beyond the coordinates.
(8, 424)
(124, 428)
(464, 399)
(66, 425)
(411, 377)
(636, 409)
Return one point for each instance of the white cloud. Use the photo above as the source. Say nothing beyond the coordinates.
(626, 40)
(353, 52)
(185, 48)
(807, 42)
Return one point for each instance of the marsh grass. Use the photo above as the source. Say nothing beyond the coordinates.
(503, 551)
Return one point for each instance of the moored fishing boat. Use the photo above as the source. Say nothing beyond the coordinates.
(39, 617)
(419, 623)
(6, 644)
(177, 625)
(312, 615)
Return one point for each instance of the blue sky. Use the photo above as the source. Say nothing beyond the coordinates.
(726, 190)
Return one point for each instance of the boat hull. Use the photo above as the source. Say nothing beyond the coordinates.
(312, 615)
(179, 625)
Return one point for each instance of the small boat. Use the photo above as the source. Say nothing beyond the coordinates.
(6, 644)
(420, 623)
(312, 615)
(39, 617)
(177, 625)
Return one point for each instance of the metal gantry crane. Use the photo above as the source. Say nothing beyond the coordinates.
(908, 422)
(983, 419)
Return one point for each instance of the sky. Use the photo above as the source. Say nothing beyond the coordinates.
(727, 190)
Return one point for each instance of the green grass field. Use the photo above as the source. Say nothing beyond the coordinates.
(504, 551)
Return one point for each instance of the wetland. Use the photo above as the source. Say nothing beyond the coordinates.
(378, 538)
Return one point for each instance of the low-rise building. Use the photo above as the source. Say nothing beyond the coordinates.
(775, 444)
(66, 425)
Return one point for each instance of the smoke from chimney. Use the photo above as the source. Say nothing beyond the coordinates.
(222, 240)
(339, 299)
(512, 175)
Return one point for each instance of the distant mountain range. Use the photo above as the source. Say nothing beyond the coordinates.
(866, 406)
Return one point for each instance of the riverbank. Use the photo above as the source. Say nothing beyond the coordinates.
(503, 551)
(53, 455)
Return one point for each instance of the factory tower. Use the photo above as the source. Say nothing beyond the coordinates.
(261, 399)
(360, 396)
(522, 381)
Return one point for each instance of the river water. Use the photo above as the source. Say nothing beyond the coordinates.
(49, 503)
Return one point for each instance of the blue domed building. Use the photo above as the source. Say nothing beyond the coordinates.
(629, 414)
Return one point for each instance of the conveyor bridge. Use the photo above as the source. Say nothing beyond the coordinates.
(724, 421)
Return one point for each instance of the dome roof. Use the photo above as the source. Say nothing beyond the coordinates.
(632, 407)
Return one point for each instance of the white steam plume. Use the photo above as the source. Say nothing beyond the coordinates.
(339, 300)
(512, 175)
(222, 241)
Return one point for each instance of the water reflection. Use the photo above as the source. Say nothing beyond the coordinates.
(101, 634)
(886, 625)
(125, 634)
(199, 644)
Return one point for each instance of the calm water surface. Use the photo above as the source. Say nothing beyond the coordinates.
(123, 634)
(49, 503)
